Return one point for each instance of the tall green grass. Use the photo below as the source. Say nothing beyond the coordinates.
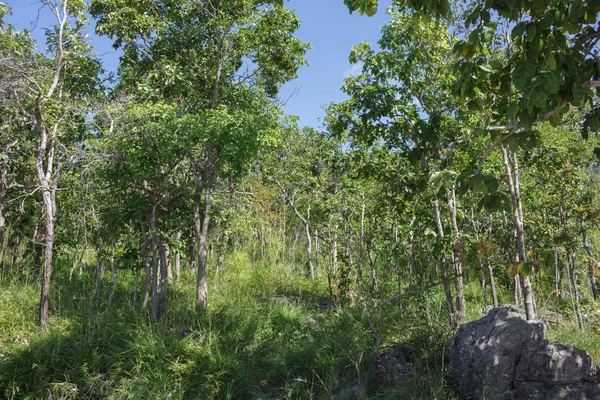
(263, 335)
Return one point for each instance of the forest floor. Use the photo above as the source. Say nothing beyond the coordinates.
(268, 333)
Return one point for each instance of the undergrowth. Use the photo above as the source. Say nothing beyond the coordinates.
(268, 333)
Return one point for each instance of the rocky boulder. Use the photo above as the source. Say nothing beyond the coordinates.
(502, 356)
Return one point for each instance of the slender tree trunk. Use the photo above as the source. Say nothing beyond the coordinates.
(147, 263)
(113, 270)
(39, 248)
(135, 287)
(15, 253)
(178, 256)
(334, 261)
(317, 249)
(164, 275)
(372, 263)
(201, 224)
(461, 305)
(167, 251)
(489, 267)
(99, 259)
(574, 290)
(74, 263)
(311, 269)
(395, 259)
(591, 263)
(361, 247)
(49, 210)
(443, 260)
(222, 248)
(305, 221)
(512, 175)
(85, 240)
(557, 279)
(155, 301)
(3, 189)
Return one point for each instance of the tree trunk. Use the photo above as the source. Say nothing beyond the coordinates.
(74, 263)
(305, 221)
(147, 263)
(334, 261)
(361, 250)
(574, 290)
(99, 259)
(557, 279)
(461, 305)
(443, 261)
(3, 189)
(311, 269)
(512, 176)
(154, 302)
(222, 248)
(164, 275)
(591, 263)
(395, 259)
(201, 223)
(39, 248)
(490, 269)
(49, 203)
(178, 256)
(167, 254)
(113, 270)
(372, 263)
(317, 249)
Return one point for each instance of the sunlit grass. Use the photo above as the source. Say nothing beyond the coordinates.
(263, 335)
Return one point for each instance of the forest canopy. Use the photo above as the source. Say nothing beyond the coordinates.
(172, 217)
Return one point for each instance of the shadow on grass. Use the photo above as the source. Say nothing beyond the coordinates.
(240, 348)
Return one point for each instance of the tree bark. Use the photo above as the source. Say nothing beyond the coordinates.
(201, 222)
(591, 263)
(164, 275)
(222, 248)
(113, 270)
(305, 221)
(99, 259)
(178, 256)
(557, 279)
(512, 176)
(461, 305)
(147, 263)
(489, 267)
(574, 290)
(443, 260)
(154, 302)
(372, 270)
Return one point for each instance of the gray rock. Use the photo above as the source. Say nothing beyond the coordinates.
(551, 318)
(483, 354)
(502, 356)
(391, 366)
(553, 363)
(355, 392)
(544, 391)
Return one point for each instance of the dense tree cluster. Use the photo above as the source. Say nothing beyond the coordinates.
(458, 158)
(462, 168)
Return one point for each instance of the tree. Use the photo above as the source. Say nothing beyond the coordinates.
(403, 98)
(217, 61)
(49, 92)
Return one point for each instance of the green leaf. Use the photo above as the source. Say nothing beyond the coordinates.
(531, 31)
(525, 269)
(483, 183)
(518, 30)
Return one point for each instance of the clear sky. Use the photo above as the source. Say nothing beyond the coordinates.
(326, 25)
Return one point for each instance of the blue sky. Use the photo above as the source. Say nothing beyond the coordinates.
(326, 25)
